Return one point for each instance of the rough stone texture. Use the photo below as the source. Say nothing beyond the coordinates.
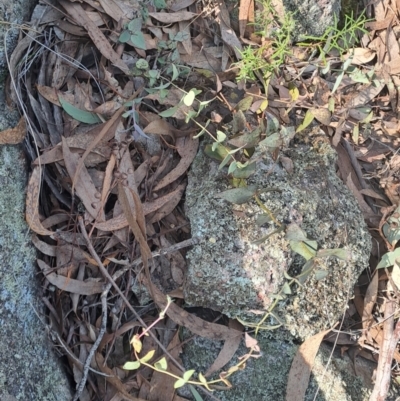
(14, 12)
(229, 273)
(265, 378)
(29, 368)
(312, 16)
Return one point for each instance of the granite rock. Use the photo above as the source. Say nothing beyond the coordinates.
(29, 367)
(229, 272)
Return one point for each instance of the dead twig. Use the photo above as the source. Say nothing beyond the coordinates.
(130, 307)
(391, 336)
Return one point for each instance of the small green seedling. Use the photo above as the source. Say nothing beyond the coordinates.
(161, 365)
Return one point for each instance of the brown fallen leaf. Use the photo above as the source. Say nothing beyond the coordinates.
(360, 55)
(169, 206)
(79, 15)
(369, 301)
(227, 33)
(32, 203)
(171, 18)
(300, 371)
(228, 350)
(112, 378)
(193, 323)
(68, 284)
(84, 186)
(121, 221)
(322, 115)
(12, 136)
(187, 149)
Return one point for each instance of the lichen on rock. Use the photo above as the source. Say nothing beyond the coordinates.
(228, 272)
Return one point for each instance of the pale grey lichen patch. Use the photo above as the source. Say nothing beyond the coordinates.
(228, 273)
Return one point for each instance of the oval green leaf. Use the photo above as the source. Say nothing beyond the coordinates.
(83, 116)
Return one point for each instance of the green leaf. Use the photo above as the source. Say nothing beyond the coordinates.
(238, 195)
(142, 64)
(221, 136)
(295, 233)
(124, 37)
(169, 112)
(225, 161)
(195, 393)
(306, 271)
(175, 73)
(160, 4)
(202, 378)
(135, 25)
(273, 141)
(232, 167)
(179, 383)
(131, 365)
(339, 253)
(219, 153)
(80, 115)
(308, 118)
(248, 140)
(188, 99)
(392, 231)
(338, 81)
(286, 289)
(272, 123)
(355, 134)
(263, 219)
(246, 171)
(244, 104)
(137, 40)
(320, 274)
(307, 249)
(182, 36)
(161, 364)
(148, 356)
(188, 374)
(388, 259)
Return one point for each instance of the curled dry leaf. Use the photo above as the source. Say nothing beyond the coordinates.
(69, 284)
(322, 115)
(198, 326)
(302, 364)
(170, 18)
(32, 203)
(360, 55)
(79, 15)
(84, 186)
(187, 148)
(12, 136)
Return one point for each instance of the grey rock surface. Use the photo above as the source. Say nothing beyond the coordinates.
(312, 17)
(228, 272)
(265, 378)
(29, 368)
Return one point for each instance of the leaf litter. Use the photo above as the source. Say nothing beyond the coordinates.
(110, 143)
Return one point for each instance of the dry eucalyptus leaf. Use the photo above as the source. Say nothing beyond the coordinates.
(170, 18)
(32, 203)
(360, 55)
(322, 115)
(12, 136)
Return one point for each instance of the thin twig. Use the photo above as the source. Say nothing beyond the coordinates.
(96, 344)
(390, 339)
(111, 280)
